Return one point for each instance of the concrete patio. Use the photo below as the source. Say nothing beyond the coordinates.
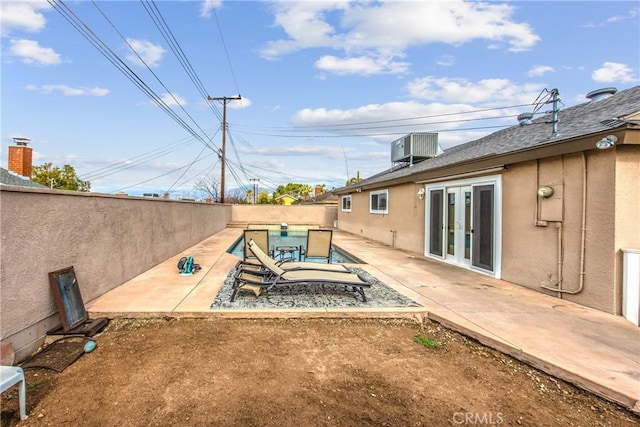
(591, 349)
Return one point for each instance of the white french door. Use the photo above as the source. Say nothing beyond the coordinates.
(458, 225)
(463, 223)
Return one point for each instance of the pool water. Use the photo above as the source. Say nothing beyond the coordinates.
(295, 238)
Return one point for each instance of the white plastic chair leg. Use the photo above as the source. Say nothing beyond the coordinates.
(9, 376)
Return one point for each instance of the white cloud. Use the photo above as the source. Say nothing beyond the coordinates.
(207, 6)
(446, 61)
(632, 14)
(388, 29)
(383, 123)
(614, 72)
(31, 52)
(239, 104)
(150, 53)
(235, 104)
(304, 23)
(69, 91)
(495, 92)
(361, 65)
(23, 15)
(172, 100)
(303, 150)
(396, 26)
(540, 70)
(334, 152)
(459, 110)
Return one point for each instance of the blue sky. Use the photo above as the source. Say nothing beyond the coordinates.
(326, 86)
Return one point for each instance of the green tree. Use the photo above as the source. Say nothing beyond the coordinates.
(263, 198)
(306, 191)
(61, 179)
(356, 179)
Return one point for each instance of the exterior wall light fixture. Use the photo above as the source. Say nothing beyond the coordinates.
(421, 193)
(545, 191)
(606, 142)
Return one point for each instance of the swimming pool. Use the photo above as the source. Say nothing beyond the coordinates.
(295, 238)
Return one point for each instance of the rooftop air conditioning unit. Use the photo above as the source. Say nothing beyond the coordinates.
(415, 147)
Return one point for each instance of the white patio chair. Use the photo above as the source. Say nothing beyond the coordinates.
(10, 376)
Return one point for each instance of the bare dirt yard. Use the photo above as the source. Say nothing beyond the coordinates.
(194, 372)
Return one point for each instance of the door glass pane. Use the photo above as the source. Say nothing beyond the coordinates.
(483, 227)
(451, 223)
(467, 225)
(435, 222)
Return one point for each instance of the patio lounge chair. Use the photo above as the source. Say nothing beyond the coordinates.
(261, 237)
(274, 275)
(268, 264)
(318, 245)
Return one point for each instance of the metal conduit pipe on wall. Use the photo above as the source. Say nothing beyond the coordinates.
(583, 233)
(538, 223)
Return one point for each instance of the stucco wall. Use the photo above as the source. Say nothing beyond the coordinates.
(405, 218)
(321, 215)
(530, 252)
(533, 228)
(108, 240)
(627, 212)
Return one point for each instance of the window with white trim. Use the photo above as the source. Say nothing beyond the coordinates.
(346, 203)
(378, 202)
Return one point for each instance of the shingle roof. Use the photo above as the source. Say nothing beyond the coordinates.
(580, 120)
(10, 178)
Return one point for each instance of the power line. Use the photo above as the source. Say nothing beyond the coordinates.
(372, 134)
(116, 61)
(135, 160)
(233, 145)
(224, 45)
(160, 176)
(178, 103)
(458, 113)
(205, 171)
(443, 122)
(252, 169)
(186, 170)
(239, 182)
(225, 100)
(161, 24)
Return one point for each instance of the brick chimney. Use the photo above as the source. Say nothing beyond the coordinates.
(318, 190)
(20, 157)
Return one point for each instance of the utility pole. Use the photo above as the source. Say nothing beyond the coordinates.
(225, 100)
(255, 189)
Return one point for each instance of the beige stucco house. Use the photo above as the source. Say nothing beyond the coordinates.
(538, 204)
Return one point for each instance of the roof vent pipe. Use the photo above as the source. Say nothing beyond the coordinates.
(600, 94)
(525, 118)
